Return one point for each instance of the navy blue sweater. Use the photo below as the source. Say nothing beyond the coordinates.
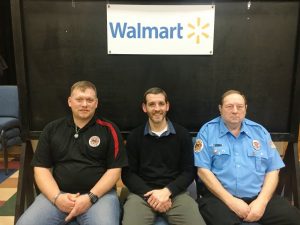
(158, 162)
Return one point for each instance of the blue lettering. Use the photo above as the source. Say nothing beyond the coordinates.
(117, 30)
(164, 33)
(179, 29)
(150, 30)
(131, 33)
(172, 29)
(139, 31)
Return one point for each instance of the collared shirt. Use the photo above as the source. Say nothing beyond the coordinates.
(169, 131)
(239, 163)
(78, 162)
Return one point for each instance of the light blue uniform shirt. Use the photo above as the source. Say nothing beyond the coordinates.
(240, 163)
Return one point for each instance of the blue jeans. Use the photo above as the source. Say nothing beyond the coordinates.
(106, 211)
(160, 221)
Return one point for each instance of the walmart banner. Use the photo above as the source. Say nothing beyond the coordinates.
(160, 29)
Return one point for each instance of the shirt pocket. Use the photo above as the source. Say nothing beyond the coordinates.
(94, 153)
(259, 159)
(220, 157)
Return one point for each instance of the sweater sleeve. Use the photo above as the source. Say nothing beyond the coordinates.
(130, 176)
(187, 173)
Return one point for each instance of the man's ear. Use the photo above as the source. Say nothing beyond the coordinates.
(220, 107)
(69, 101)
(144, 107)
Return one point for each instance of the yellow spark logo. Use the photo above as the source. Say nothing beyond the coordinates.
(198, 30)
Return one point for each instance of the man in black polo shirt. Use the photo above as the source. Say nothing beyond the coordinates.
(86, 155)
(160, 156)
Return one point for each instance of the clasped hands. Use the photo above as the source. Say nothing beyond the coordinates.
(159, 199)
(73, 204)
(248, 212)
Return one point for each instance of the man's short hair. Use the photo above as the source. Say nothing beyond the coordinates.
(155, 91)
(229, 92)
(83, 85)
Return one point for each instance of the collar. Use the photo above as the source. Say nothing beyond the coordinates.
(70, 122)
(224, 130)
(170, 130)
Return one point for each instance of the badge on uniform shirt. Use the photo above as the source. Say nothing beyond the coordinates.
(94, 141)
(198, 145)
(256, 144)
(272, 145)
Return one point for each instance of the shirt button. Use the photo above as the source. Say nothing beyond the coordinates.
(238, 166)
(236, 153)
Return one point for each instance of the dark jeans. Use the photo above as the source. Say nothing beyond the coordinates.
(278, 212)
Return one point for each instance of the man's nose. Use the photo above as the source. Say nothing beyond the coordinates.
(84, 102)
(235, 109)
(156, 106)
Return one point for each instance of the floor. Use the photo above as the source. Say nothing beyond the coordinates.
(8, 187)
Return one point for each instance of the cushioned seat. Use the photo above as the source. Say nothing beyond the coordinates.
(9, 120)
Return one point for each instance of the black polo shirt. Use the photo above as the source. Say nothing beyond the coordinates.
(78, 163)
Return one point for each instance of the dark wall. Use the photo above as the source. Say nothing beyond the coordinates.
(7, 72)
(254, 52)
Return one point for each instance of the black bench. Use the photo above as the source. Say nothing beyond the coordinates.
(288, 187)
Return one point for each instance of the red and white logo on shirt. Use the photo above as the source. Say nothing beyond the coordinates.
(94, 141)
(198, 145)
(256, 144)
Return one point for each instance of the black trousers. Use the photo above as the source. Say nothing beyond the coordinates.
(278, 212)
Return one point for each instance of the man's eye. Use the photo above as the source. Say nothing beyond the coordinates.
(90, 100)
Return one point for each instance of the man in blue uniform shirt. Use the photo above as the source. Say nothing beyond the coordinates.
(239, 164)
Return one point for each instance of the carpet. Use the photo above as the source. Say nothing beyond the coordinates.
(8, 187)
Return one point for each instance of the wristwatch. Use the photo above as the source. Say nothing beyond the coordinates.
(93, 197)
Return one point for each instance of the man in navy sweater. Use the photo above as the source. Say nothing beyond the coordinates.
(160, 155)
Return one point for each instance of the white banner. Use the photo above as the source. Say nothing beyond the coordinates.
(160, 29)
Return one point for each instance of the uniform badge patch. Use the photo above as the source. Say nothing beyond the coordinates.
(94, 141)
(198, 145)
(256, 144)
(272, 145)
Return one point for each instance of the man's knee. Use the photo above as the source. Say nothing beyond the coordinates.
(184, 210)
(215, 212)
(280, 211)
(137, 211)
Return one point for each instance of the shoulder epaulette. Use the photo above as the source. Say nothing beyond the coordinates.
(254, 124)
